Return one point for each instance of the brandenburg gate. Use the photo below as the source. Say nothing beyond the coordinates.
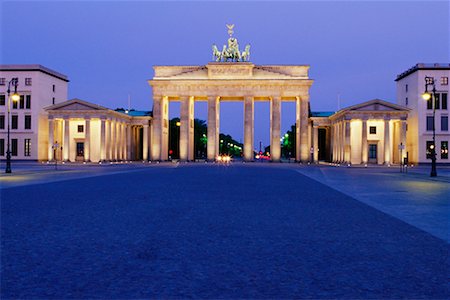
(230, 78)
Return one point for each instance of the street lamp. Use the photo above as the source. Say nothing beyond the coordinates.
(429, 81)
(14, 97)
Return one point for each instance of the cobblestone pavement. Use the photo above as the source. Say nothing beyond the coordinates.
(196, 231)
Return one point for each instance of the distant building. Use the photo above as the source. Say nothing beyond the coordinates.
(38, 87)
(87, 132)
(410, 87)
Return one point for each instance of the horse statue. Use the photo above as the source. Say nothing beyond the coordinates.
(246, 53)
(217, 55)
(233, 49)
(225, 53)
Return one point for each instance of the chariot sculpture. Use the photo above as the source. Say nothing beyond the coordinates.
(231, 53)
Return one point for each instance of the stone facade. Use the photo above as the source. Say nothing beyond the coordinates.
(217, 82)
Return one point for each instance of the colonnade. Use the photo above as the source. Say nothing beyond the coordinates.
(342, 141)
(161, 128)
(117, 138)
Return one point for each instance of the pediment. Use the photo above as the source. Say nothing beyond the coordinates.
(76, 105)
(376, 105)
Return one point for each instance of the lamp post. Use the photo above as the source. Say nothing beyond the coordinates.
(14, 97)
(429, 81)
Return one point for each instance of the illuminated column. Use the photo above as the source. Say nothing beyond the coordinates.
(304, 149)
(332, 141)
(113, 139)
(248, 128)
(297, 128)
(342, 141)
(51, 129)
(108, 140)
(157, 128)
(118, 140)
(316, 143)
(124, 141)
(145, 143)
(87, 139)
(387, 143)
(403, 139)
(275, 126)
(187, 128)
(347, 145)
(364, 146)
(66, 145)
(213, 125)
(128, 142)
(102, 139)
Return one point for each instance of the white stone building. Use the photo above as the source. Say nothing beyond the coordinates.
(38, 87)
(410, 87)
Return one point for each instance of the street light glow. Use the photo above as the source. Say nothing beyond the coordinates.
(426, 96)
(15, 97)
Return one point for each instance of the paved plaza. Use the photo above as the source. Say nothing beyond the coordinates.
(223, 231)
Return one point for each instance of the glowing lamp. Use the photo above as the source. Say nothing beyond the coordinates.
(15, 97)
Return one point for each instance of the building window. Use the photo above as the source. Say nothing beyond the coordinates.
(444, 80)
(14, 147)
(430, 123)
(406, 101)
(80, 128)
(444, 150)
(429, 104)
(373, 130)
(27, 122)
(444, 100)
(2, 147)
(14, 121)
(2, 121)
(28, 101)
(15, 104)
(406, 88)
(27, 81)
(429, 80)
(53, 88)
(2, 100)
(27, 147)
(22, 102)
(53, 101)
(2, 81)
(429, 147)
(437, 101)
(444, 123)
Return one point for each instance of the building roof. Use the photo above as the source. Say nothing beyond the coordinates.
(423, 66)
(39, 68)
(321, 113)
(135, 113)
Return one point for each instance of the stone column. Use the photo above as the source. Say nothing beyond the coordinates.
(51, 129)
(66, 145)
(403, 139)
(364, 145)
(248, 128)
(186, 129)
(108, 140)
(102, 139)
(316, 143)
(337, 131)
(157, 128)
(213, 125)
(332, 141)
(145, 143)
(124, 141)
(342, 142)
(128, 142)
(304, 149)
(275, 126)
(297, 128)
(347, 142)
(387, 143)
(87, 140)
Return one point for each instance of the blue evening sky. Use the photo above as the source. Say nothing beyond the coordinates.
(107, 48)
